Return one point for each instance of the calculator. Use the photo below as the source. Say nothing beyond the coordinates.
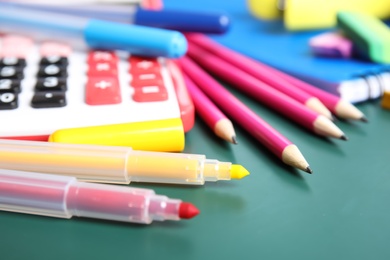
(48, 86)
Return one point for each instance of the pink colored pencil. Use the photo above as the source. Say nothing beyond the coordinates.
(210, 113)
(267, 95)
(334, 104)
(235, 109)
(260, 73)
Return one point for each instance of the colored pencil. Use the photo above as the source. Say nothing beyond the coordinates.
(333, 103)
(210, 113)
(235, 109)
(258, 72)
(267, 95)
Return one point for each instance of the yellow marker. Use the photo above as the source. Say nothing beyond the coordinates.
(114, 164)
(315, 14)
(165, 135)
(238, 172)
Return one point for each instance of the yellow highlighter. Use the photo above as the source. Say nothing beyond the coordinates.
(114, 164)
(315, 14)
(165, 135)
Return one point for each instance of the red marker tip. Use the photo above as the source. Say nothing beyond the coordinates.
(187, 210)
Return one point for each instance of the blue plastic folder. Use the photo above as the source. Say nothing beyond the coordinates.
(270, 43)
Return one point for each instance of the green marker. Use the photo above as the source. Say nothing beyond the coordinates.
(369, 34)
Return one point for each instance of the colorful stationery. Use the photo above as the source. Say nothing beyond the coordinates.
(259, 71)
(210, 113)
(370, 35)
(269, 42)
(237, 111)
(267, 95)
(94, 33)
(114, 164)
(65, 197)
(173, 19)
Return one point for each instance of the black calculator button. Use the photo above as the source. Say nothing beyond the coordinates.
(12, 61)
(8, 101)
(51, 84)
(9, 85)
(11, 72)
(52, 70)
(54, 59)
(48, 99)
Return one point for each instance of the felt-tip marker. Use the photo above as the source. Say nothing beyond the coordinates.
(64, 197)
(174, 19)
(92, 33)
(115, 164)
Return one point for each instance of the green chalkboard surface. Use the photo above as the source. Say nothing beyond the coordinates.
(341, 211)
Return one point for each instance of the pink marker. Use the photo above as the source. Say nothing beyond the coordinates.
(256, 126)
(267, 95)
(210, 113)
(64, 197)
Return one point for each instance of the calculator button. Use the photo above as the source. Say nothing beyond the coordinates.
(103, 91)
(11, 72)
(12, 61)
(48, 99)
(52, 71)
(102, 69)
(102, 56)
(150, 93)
(9, 85)
(139, 65)
(8, 101)
(51, 84)
(146, 79)
(54, 59)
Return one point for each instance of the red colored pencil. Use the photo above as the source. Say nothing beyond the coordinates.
(267, 95)
(210, 113)
(334, 104)
(235, 109)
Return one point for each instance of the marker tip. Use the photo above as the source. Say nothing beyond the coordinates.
(238, 172)
(187, 210)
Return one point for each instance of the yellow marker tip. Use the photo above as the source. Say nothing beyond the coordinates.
(238, 172)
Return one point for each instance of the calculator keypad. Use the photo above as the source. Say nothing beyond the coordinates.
(48, 86)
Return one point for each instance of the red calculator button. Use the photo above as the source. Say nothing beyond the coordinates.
(150, 93)
(102, 68)
(102, 91)
(146, 79)
(102, 56)
(140, 65)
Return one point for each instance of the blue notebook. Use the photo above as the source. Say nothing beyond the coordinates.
(270, 43)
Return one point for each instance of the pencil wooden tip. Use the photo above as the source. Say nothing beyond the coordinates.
(293, 157)
(309, 170)
(344, 137)
(234, 139)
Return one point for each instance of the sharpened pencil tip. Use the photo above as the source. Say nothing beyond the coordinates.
(308, 170)
(234, 139)
(344, 137)
(364, 119)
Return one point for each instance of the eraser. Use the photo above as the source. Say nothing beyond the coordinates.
(369, 34)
